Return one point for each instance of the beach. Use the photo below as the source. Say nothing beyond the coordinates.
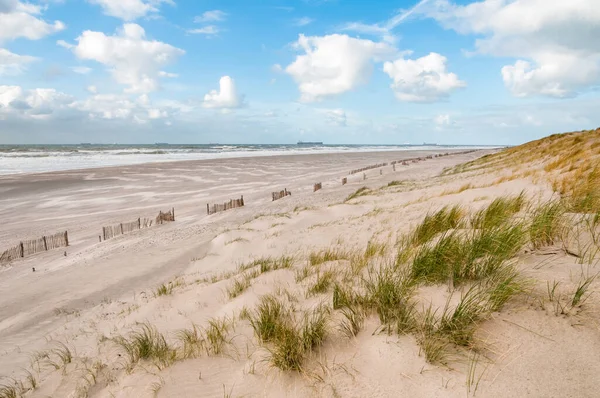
(88, 295)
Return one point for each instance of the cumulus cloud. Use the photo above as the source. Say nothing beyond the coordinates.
(21, 20)
(13, 64)
(226, 97)
(38, 103)
(129, 10)
(555, 42)
(132, 60)
(334, 64)
(423, 79)
(211, 16)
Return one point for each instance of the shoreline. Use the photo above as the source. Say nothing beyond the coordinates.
(250, 154)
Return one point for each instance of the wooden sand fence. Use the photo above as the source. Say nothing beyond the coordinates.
(124, 228)
(232, 204)
(374, 166)
(317, 186)
(165, 217)
(29, 247)
(280, 194)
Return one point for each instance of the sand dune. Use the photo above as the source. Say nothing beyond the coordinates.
(315, 254)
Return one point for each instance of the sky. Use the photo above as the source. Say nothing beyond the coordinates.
(278, 71)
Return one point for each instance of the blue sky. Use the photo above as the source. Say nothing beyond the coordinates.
(276, 71)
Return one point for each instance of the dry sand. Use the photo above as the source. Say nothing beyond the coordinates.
(102, 290)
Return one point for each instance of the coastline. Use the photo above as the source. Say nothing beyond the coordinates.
(11, 163)
(212, 271)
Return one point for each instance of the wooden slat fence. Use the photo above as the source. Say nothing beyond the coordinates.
(317, 186)
(126, 227)
(165, 217)
(232, 204)
(122, 228)
(30, 247)
(280, 194)
(374, 166)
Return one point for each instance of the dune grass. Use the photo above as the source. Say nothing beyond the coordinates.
(547, 224)
(326, 255)
(362, 191)
(322, 283)
(434, 223)
(147, 343)
(289, 341)
(498, 212)
(294, 341)
(352, 321)
(239, 286)
(267, 317)
(389, 293)
(375, 249)
(60, 356)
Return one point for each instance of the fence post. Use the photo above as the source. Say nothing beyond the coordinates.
(121, 225)
(207, 209)
(99, 238)
(104, 233)
(173, 210)
(139, 223)
(45, 243)
(66, 239)
(22, 249)
(242, 200)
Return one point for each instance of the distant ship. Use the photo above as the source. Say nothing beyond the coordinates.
(430, 143)
(310, 143)
(161, 143)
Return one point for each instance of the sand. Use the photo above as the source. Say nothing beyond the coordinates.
(102, 290)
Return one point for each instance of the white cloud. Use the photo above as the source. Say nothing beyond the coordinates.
(157, 114)
(19, 20)
(423, 79)
(129, 10)
(209, 30)
(334, 64)
(227, 97)
(211, 16)
(82, 70)
(92, 89)
(442, 120)
(384, 29)
(303, 21)
(133, 61)
(38, 103)
(555, 42)
(13, 64)
(7, 6)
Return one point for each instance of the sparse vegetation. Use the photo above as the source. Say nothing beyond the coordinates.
(322, 284)
(238, 286)
(498, 212)
(326, 255)
(147, 343)
(362, 191)
(547, 224)
(441, 221)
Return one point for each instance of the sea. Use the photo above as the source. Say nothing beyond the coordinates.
(16, 159)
